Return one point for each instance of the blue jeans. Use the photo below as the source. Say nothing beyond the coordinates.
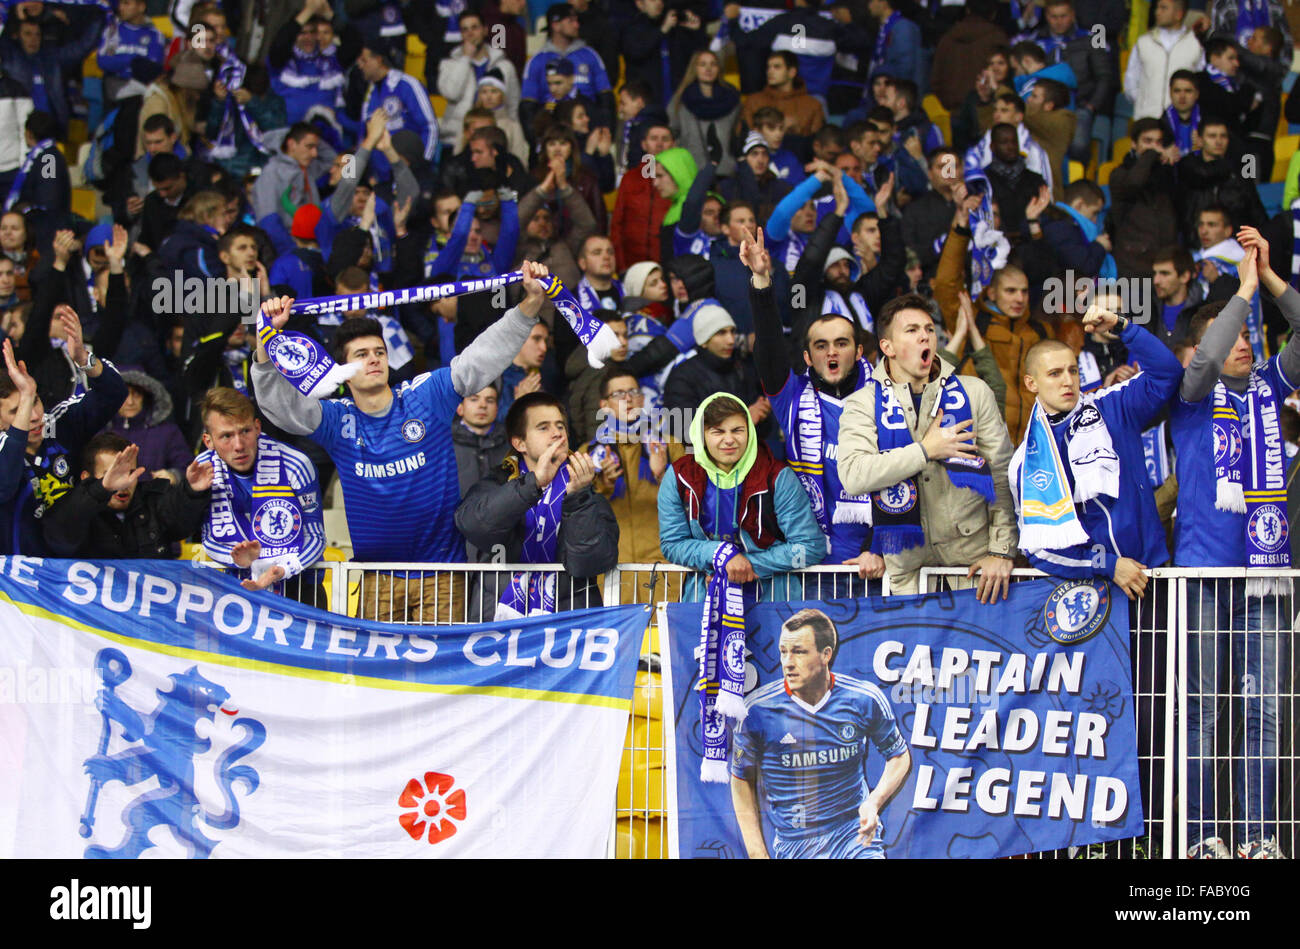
(1238, 664)
(1081, 145)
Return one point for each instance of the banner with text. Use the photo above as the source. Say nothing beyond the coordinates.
(157, 709)
(915, 726)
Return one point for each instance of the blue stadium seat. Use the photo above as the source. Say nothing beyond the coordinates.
(1271, 195)
(1289, 82)
(1103, 134)
(1105, 189)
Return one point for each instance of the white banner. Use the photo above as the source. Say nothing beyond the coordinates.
(155, 709)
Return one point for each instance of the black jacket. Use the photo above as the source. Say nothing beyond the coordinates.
(695, 379)
(491, 518)
(1143, 210)
(81, 524)
(925, 220)
(1203, 182)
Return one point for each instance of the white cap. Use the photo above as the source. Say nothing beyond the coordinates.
(708, 320)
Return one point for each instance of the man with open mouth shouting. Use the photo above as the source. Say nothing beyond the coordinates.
(931, 450)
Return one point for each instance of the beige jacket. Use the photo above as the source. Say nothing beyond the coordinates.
(960, 526)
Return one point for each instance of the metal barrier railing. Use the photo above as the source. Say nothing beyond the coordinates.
(1238, 773)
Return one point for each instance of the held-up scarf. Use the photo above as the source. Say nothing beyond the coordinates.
(1183, 130)
(882, 42)
(231, 72)
(612, 432)
(855, 308)
(24, 169)
(722, 664)
(1251, 14)
(275, 517)
(595, 335)
(302, 360)
(1041, 485)
(895, 511)
(1250, 470)
(806, 445)
(534, 592)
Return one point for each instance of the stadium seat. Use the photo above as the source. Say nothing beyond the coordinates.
(84, 202)
(1077, 172)
(940, 116)
(638, 838)
(91, 66)
(1103, 173)
(1105, 191)
(609, 200)
(1122, 147)
(165, 25)
(1283, 148)
(1123, 111)
(1289, 82)
(77, 133)
(415, 46)
(439, 105)
(1271, 195)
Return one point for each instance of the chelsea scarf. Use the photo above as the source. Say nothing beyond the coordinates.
(895, 511)
(231, 72)
(1041, 485)
(722, 664)
(806, 445)
(534, 592)
(1183, 130)
(1250, 470)
(275, 517)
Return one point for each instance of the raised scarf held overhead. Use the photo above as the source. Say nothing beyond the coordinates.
(232, 72)
(1040, 482)
(895, 511)
(722, 664)
(535, 592)
(1250, 474)
(304, 362)
(807, 449)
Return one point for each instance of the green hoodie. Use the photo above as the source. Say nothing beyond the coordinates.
(680, 164)
(736, 476)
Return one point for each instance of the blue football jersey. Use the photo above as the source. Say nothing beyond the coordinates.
(399, 472)
(811, 760)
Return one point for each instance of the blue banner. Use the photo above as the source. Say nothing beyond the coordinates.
(158, 709)
(917, 726)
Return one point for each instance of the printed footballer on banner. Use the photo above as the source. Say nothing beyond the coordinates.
(922, 727)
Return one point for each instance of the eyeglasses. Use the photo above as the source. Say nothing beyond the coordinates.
(625, 395)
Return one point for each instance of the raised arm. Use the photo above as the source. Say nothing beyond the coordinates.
(1206, 364)
(283, 404)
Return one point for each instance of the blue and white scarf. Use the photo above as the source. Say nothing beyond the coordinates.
(1040, 484)
(231, 72)
(1251, 14)
(1250, 470)
(534, 592)
(882, 42)
(1220, 78)
(1090, 231)
(595, 335)
(613, 431)
(275, 518)
(722, 665)
(1054, 46)
(1183, 130)
(806, 446)
(591, 298)
(24, 169)
(854, 309)
(989, 249)
(895, 511)
(1155, 452)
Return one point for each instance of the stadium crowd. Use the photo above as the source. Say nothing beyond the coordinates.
(883, 296)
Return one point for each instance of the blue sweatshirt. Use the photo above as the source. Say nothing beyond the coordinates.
(1129, 525)
(124, 42)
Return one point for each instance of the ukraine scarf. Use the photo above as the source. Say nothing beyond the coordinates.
(1250, 470)
(722, 664)
(534, 592)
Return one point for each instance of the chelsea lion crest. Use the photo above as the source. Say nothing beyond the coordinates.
(1076, 610)
(897, 499)
(276, 522)
(290, 355)
(1267, 528)
(413, 430)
